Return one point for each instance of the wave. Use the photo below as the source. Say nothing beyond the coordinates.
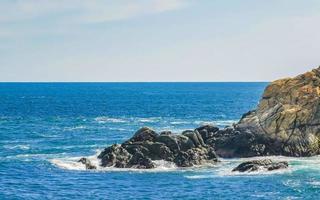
(148, 120)
(179, 122)
(206, 171)
(220, 123)
(74, 128)
(71, 163)
(19, 146)
(103, 119)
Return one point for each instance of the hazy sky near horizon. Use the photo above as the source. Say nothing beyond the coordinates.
(157, 40)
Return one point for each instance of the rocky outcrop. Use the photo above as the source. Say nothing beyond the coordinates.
(286, 121)
(265, 164)
(185, 150)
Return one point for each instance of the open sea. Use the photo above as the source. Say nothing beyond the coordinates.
(46, 127)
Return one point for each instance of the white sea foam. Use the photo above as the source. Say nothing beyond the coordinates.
(104, 119)
(221, 123)
(179, 122)
(19, 146)
(71, 163)
(74, 128)
(148, 120)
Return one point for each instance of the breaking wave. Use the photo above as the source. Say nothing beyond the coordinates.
(71, 163)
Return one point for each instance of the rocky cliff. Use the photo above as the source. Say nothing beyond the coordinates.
(286, 121)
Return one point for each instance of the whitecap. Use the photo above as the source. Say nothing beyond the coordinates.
(20, 146)
(179, 122)
(221, 123)
(74, 128)
(104, 119)
(71, 163)
(148, 120)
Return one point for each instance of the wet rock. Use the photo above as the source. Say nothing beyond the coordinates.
(166, 133)
(207, 132)
(195, 156)
(195, 137)
(115, 155)
(87, 163)
(144, 134)
(140, 161)
(185, 150)
(255, 165)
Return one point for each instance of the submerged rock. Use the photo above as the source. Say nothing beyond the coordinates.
(255, 165)
(146, 146)
(286, 121)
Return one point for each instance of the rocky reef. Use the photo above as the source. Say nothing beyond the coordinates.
(185, 150)
(286, 122)
(264, 164)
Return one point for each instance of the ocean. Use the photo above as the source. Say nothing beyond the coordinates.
(46, 127)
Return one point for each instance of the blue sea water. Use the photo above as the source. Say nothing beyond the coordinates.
(46, 127)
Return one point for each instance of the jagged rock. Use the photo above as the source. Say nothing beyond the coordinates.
(286, 121)
(166, 133)
(255, 165)
(140, 161)
(115, 155)
(144, 134)
(146, 146)
(170, 141)
(87, 163)
(207, 132)
(195, 137)
(195, 156)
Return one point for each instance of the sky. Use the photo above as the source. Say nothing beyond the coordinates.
(157, 40)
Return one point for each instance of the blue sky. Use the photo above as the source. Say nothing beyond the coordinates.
(157, 40)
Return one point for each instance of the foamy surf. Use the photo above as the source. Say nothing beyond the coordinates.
(72, 163)
(220, 169)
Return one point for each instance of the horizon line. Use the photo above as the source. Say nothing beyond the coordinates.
(135, 81)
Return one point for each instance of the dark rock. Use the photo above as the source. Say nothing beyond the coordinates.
(87, 163)
(207, 132)
(170, 141)
(115, 155)
(159, 151)
(255, 165)
(185, 150)
(166, 133)
(184, 142)
(195, 137)
(144, 134)
(140, 161)
(195, 156)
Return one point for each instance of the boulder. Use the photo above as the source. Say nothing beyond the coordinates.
(140, 161)
(195, 156)
(207, 132)
(264, 164)
(115, 155)
(195, 137)
(144, 134)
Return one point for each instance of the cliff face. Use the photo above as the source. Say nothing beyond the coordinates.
(286, 121)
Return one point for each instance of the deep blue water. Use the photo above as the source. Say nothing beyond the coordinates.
(45, 127)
